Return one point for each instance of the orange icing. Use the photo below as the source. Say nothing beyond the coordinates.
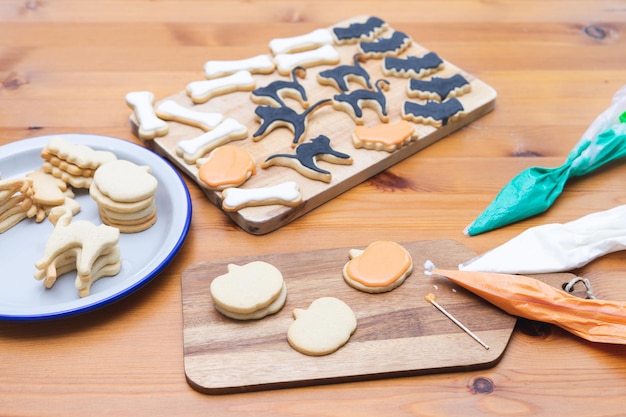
(381, 264)
(227, 166)
(387, 134)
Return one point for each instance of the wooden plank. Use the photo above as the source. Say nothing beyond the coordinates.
(398, 333)
(336, 125)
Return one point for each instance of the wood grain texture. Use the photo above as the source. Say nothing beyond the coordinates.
(65, 66)
(337, 125)
(398, 332)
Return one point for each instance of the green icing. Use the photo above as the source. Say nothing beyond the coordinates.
(535, 189)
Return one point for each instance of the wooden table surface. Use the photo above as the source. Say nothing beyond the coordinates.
(65, 67)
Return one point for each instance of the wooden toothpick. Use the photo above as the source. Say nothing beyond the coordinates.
(432, 299)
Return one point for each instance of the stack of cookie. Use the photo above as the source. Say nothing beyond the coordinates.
(92, 251)
(74, 164)
(16, 202)
(124, 193)
(50, 192)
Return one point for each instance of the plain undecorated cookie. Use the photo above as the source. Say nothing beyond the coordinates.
(249, 292)
(323, 328)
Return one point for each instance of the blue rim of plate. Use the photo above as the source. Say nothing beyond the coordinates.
(160, 167)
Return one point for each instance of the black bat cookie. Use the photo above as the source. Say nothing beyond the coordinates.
(359, 31)
(412, 66)
(392, 45)
(438, 88)
(433, 112)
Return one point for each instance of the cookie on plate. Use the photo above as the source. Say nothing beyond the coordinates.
(124, 193)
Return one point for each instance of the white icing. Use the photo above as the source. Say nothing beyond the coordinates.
(192, 149)
(201, 91)
(171, 110)
(259, 63)
(149, 124)
(556, 247)
(284, 192)
(310, 40)
(326, 54)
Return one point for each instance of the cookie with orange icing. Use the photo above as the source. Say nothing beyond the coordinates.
(227, 166)
(381, 267)
(384, 137)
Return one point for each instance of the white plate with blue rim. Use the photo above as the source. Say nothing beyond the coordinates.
(144, 254)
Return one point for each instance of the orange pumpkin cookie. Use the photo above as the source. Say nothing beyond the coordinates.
(381, 267)
(384, 137)
(227, 166)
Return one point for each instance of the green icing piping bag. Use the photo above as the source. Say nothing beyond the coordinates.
(535, 189)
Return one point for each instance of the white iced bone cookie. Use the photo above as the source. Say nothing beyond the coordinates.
(202, 91)
(171, 110)
(301, 43)
(249, 292)
(149, 125)
(324, 55)
(286, 193)
(260, 64)
(193, 149)
(323, 328)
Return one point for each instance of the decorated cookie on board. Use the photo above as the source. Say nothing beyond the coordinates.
(381, 267)
(412, 66)
(393, 45)
(353, 102)
(227, 166)
(149, 126)
(438, 88)
(274, 93)
(275, 117)
(340, 76)
(359, 31)
(285, 193)
(305, 159)
(384, 137)
(433, 112)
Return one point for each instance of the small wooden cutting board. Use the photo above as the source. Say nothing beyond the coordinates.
(398, 333)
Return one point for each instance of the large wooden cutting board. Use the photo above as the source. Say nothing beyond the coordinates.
(398, 333)
(337, 125)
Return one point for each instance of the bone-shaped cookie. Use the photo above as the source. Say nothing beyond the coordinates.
(171, 110)
(286, 193)
(324, 55)
(193, 149)
(300, 43)
(260, 64)
(150, 126)
(202, 91)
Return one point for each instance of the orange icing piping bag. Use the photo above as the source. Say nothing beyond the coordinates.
(592, 319)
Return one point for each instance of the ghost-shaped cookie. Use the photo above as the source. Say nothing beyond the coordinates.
(323, 328)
